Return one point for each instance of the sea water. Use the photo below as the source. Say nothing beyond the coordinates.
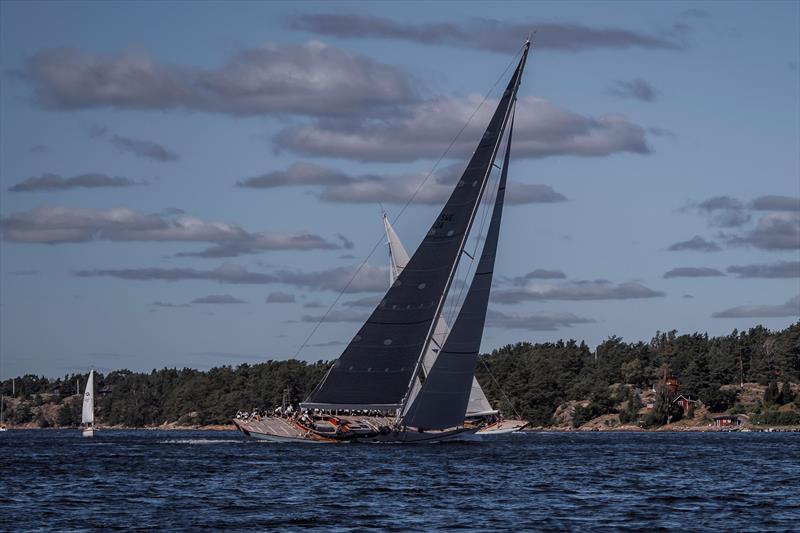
(188, 480)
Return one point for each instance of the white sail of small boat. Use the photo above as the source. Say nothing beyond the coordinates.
(87, 414)
(379, 389)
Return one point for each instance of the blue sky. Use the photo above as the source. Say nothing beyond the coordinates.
(191, 184)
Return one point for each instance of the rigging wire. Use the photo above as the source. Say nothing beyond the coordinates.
(405, 206)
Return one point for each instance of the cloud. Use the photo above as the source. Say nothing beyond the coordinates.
(778, 229)
(137, 147)
(540, 273)
(54, 182)
(278, 297)
(168, 304)
(780, 269)
(723, 211)
(524, 193)
(662, 132)
(790, 309)
(697, 244)
(367, 301)
(26, 272)
(533, 322)
(218, 299)
(258, 242)
(695, 13)
(370, 279)
(306, 79)
(338, 315)
(482, 33)
(637, 89)
(39, 148)
(774, 231)
(576, 291)
(776, 203)
(692, 272)
(297, 175)
(425, 130)
(339, 187)
(54, 225)
(326, 344)
(347, 244)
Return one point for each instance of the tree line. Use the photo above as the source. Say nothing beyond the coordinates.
(527, 379)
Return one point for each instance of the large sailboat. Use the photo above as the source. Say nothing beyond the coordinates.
(87, 414)
(402, 378)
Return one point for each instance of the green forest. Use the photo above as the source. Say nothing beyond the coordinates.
(530, 380)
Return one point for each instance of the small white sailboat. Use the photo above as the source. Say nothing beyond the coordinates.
(87, 416)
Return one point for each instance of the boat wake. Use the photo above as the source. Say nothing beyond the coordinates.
(198, 441)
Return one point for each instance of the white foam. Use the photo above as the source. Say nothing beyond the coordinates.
(198, 441)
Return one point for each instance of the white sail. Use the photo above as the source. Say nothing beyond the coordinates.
(87, 416)
(398, 258)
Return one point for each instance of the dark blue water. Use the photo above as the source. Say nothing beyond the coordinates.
(56, 480)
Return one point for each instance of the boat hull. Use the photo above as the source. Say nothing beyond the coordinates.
(88, 432)
(281, 430)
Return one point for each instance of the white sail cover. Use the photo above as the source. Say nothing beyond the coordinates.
(87, 416)
(398, 258)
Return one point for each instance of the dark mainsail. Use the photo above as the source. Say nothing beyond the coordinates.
(442, 401)
(375, 370)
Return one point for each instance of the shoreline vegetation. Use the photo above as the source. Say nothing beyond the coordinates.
(742, 381)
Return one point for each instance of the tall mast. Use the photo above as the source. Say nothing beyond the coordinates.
(442, 297)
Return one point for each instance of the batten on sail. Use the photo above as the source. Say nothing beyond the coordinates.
(444, 397)
(380, 366)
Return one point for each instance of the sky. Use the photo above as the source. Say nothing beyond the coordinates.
(194, 184)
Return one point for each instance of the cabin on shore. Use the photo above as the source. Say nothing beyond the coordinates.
(729, 420)
(685, 402)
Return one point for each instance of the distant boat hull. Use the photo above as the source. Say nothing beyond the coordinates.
(88, 432)
(277, 429)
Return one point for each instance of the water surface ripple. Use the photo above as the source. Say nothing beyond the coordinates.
(189, 480)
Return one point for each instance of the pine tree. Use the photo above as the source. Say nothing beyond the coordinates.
(771, 395)
(787, 394)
